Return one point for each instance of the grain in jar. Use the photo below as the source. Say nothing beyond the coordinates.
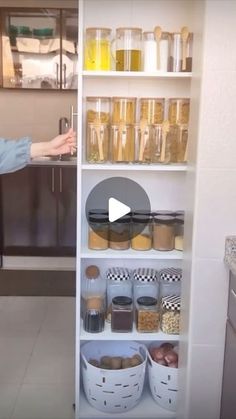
(152, 110)
(97, 129)
(170, 314)
(141, 232)
(122, 143)
(163, 233)
(170, 281)
(147, 315)
(124, 110)
(119, 233)
(178, 110)
(143, 134)
(179, 232)
(145, 283)
(98, 231)
(122, 314)
(161, 145)
(118, 283)
(179, 143)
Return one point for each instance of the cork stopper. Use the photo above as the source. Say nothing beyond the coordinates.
(92, 271)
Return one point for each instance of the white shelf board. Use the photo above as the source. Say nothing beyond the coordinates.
(146, 408)
(137, 74)
(136, 167)
(107, 334)
(130, 254)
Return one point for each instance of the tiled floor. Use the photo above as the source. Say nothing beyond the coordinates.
(37, 337)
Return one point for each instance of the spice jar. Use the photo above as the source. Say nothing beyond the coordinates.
(163, 233)
(128, 49)
(170, 314)
(170, 281)
(93, 291)
(147, 315)
(122, 314)
(123, 110)
(119, 233)
(161, 145)
(98, 49)
(122, 143)
(145, 283)
(142, 143)
(178, 110)
(118, 283)
(98, 231)
(152, 110)
(141, 232)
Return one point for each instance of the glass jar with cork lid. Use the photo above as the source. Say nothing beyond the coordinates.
(97, 130)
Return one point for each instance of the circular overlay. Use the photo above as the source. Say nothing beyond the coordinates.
(111, 206)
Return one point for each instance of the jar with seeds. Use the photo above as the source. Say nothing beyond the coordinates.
(170, 314)
(152, 110)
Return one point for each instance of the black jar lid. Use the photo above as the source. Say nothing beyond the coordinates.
(147, 301)
(179, 213)
(98, 218)
(164, 212)
(125, 219)
(164, 219)
(102, 211)
(142, 218)
(179, 219)
(142, 212)
(122, 300)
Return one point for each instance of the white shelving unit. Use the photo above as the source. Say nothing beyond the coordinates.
(165, 184)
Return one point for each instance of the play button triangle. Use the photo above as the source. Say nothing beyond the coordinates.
(116, 209)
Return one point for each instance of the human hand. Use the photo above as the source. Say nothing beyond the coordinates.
(62, 144)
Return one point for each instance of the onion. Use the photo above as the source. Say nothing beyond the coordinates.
(173, 365)
(171, 357)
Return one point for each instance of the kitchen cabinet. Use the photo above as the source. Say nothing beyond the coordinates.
(164, 184)
(39, 211)
(39, 48)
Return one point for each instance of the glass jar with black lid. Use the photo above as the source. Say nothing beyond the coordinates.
(118, 283)
(122, 314)
(145, 283)
(119, 233)
(163, 233)
(98, 231)
(147, 315)
(141, 232)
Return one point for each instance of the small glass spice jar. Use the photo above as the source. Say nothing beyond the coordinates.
(163, 233)
(98, 232)
(170, 314)
(170, 281)
(141, 232)
(147, 315)
(145, 283)
(94, 320)
(122, 314)
(118, 283)
(119, 233)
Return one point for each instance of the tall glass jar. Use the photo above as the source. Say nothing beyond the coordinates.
(122, 143)
(152, 110)
(98, 231)
(161, 145)
(122, 314)
(176, 52)
(97, 118)
(170, 281)
(124, 110)
(98, 49)
(149, 52)
(118, 283)
(170, 315)
(178, 110)
(141, 232)
(147, 315)
(143, 143)
(145, 283)
(163, 233)
(128, 49)
(93, 299)
(119, 233)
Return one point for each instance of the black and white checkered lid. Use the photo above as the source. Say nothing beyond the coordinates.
(118, 274)
(171, 302)
(170, 274)
(145, 274)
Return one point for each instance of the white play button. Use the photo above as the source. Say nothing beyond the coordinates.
(116, 209)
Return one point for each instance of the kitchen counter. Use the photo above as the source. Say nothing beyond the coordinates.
(52, 162)
(230, 253)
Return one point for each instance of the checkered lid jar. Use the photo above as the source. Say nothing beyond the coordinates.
(171, 302)
(170, 274)
(118, 274)
(145, 275)
(119, 283)
(145, 283)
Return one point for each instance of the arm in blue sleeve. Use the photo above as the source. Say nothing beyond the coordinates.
(14, 154)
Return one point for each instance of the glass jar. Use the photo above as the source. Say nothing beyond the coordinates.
(163, 52)
(170, 315)
(170, 281)
(98, 232)
(98, 49)
(179, 233)
(145, 283)
(147, 315)
(152, 110)
(163, 233)
(141, 232)
(128, 49)
(175, 62)
(118, 283)
(93, 292)
(98, 109)
(161, 145)
(124, 110)
(187, 53)
(179, 141)
(122, 143)
(149, 52)
(142, 143)
(178, 110)
(119, 233)
(122, 314)
(97, 120)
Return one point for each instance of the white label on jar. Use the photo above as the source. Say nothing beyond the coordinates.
(150, 55)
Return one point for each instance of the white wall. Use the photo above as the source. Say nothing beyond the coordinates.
(214, 215)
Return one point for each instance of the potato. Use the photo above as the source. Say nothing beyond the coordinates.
(138, 357)
(136, 360)
(106, 361)
(116, 362)
(126, 363)
(94, 362)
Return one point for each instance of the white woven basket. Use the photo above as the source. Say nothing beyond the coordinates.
(163, 383)
(113, 391)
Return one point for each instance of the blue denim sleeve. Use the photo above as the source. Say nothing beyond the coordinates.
(14, 154)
